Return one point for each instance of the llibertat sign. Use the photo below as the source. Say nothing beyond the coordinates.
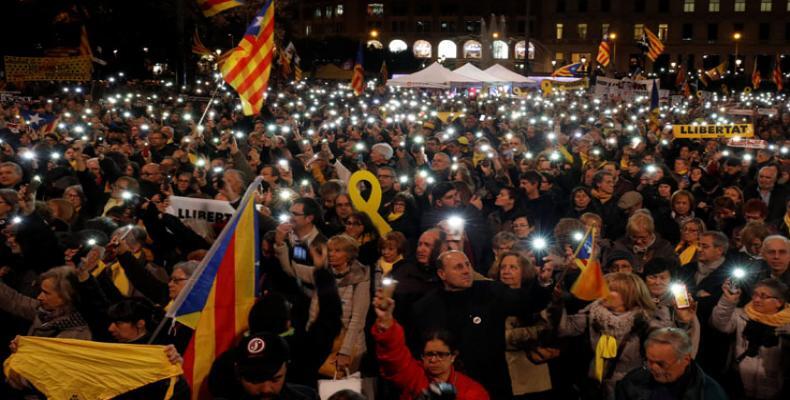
(710, 131)
(209, 210)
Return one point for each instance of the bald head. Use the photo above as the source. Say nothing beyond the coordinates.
(455, 270)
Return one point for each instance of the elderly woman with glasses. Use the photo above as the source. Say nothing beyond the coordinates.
(762, 336)
(411, 376)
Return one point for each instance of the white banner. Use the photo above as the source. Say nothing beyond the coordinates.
(626, 89)
(188, 208)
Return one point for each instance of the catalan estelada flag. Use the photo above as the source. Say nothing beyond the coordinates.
(249, 65)
(604, 52)
(570, 70)
(211, 8)
(654, 45)
(590, 284)
(217, 299)
(655, 109)
(358, 78)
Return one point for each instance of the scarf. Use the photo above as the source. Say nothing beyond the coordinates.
(780, 318)
(611, 326)
(686, 254)
(95, 370)
(640, 250)
(393, 216)
(703, 270)
(602, 197)
(386, 267)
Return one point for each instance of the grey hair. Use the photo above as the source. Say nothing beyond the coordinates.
(780, 238)
(17, 169)
(720, 240)
(137, 235)
(677, 338)
(189, 267)
(384, 149)
(65, 282)
(504, 237)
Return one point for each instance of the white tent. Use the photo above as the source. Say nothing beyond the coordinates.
(473, 72)
(434, 76)
(507, 75)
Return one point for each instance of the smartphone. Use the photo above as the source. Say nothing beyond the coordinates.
(300, 254)
(681, 295)
(388, 286)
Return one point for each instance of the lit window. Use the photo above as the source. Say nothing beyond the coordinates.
(582, 30)
(604, 30)
(376, 9)
(688, 6)
(318, 12)
(500, 50)
(714, 5)
(447, 49)
(740, 5)
(308, 30)
(472, 49)
(766, 5)
(639, 31)
(559, 31)
(328, 12)
(375, 44)
(339, 10)
(559, 56)
(520, 50)
(663, 32)
(397, 45)
(422, 49)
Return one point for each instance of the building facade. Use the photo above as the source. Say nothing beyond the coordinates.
(697, 33)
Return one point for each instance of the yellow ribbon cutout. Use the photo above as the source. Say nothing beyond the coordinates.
(546, 86)
(370, 206)
(606, 348)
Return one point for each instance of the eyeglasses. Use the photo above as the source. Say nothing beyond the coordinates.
(762, 296)
(177, 280)
(436, 355)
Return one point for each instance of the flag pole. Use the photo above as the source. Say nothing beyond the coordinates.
(210, 101)
(178, 301)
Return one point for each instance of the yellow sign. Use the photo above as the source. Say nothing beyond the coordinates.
(704, 131)
(371, 205)
(47, 68)
(546, 87)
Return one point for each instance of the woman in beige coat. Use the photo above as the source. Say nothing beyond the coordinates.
(527, 377)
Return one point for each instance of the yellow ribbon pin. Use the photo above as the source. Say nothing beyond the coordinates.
(371, 206)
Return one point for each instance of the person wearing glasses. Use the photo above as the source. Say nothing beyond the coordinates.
(412, 376)
(762, 337)
(669, 371)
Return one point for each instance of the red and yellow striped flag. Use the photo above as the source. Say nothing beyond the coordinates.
(211, 8)
(603, 53)
(756, 78)
(358, 79)
(654, 45)
(777, 74)
(249, 65)
(219, 295)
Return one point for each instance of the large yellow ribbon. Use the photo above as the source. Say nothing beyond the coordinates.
(370, 206)
(606, 348)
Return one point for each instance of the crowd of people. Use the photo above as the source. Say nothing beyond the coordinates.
(468, 294)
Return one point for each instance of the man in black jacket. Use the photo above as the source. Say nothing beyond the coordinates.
(475, 312)
(670, 374)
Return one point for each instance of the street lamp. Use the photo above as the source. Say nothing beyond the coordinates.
(737, 37)
(374, 33)
(553, 64)
(612, 37)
